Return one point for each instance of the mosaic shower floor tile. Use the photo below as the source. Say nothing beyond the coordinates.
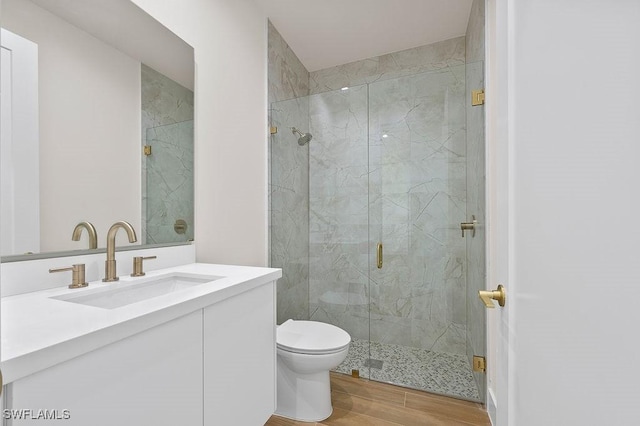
(442, 373)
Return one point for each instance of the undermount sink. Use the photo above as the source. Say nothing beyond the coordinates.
(128, 292)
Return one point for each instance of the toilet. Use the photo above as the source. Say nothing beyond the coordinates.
(307, 350)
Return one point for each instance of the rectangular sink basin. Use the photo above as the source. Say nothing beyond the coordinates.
(128, 292)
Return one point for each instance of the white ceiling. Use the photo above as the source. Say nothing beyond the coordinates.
(325, 33)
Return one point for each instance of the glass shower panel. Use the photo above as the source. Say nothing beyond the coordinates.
(289, 204)
(168, 173)
(338, 217)
(417, 197)
(476, 266)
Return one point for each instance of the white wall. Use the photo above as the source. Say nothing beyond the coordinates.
(98, 140)
(573, 135)
(230, 42)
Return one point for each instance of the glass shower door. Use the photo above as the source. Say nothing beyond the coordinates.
(417, 192)
(338, 217)
(475, 245)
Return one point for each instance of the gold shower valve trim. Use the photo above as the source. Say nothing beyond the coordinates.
(180, 226)
(498, 295)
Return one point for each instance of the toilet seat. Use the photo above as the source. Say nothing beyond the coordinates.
(311, 338)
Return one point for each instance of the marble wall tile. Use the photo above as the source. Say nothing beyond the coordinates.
(169, 182)
(475, 38)
(287, 77)
(163, 100)
(338, 206)
(403, 63)
(418, 180)
(167, 174)
(289, 208)
(288, 85)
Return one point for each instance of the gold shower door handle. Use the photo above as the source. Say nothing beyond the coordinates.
(469, 226)
(487, 296)
(379, 255)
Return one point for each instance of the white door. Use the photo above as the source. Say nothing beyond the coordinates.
(498, 197)
(564, 173)
(19, 156)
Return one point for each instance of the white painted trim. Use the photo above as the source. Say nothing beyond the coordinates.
(267, 139)
(20, 146)
(491, 406)
(500, 216)
(491, 94)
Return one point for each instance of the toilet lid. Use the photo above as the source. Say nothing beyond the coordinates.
(311, 337)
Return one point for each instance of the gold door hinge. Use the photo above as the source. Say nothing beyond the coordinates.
(273, 130)
(477, 97)
(479, 364)
(147, 150)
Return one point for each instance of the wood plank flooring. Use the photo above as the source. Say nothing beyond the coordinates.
(363, 402)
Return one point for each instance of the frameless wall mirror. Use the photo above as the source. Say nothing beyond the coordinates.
(97, 126)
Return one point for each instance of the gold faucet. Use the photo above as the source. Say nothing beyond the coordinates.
(91, 230)
(110, 264)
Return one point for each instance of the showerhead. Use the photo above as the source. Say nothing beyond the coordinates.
(303, 138)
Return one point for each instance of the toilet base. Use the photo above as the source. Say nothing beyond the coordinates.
(303, 397)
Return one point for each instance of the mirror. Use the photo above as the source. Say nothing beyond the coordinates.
(97, 126)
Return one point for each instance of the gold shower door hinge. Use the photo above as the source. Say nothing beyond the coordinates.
(477, 97)
(147, 150)
(273, 130)
(479, 364)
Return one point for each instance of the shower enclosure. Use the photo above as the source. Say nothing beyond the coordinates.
(168, 183)
(365, 223)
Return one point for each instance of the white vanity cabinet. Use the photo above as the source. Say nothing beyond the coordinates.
(240, 359)
(151, 378)
(213, 366)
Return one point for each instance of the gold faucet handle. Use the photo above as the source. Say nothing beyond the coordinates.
(498, 295)
(137, 265)
(77, 280)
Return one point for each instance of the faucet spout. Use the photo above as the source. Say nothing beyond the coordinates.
(110, 264)
(91, 230)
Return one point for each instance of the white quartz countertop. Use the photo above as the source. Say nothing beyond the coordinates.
(39, 332)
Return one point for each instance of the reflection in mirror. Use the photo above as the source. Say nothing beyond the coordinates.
(167, 166)
(100, 127)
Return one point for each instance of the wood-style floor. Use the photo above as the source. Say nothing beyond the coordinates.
(364, 402)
